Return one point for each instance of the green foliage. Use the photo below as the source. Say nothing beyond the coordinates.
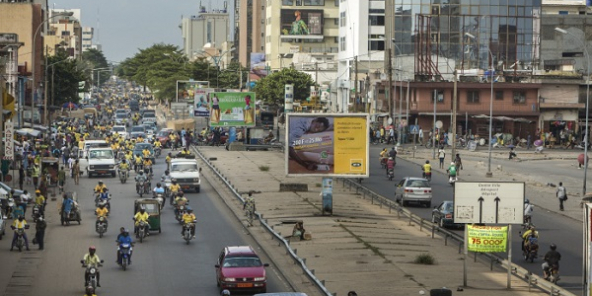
(95, 59)
(229, 78)
(425, 259)
(270, 89)
(63, 78)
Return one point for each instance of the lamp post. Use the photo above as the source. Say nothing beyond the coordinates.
(586, 139)
(217, 61)
(34, 51)
(489, 174)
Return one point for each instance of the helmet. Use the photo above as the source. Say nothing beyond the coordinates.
(100, 181)
(141, 173)
(452, 163)
(101, 205)
(21, 217)
(189, 209)
(526, 201)
(92, 248)
(142, 209)
(225, 293)
(553, 247)
(125, 231)
(37, 191)
(166, 172)
(174, 181)
(158, 185)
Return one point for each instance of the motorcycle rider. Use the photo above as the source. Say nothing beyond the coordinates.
(168, 160)
(383, 156)
(147, 163)
(174, 187)
(19, 223)
(529, 238)
(140, 178)
(124, 238)
(101, 211)
(427, 168)
(40, 202)
(140, 216)
(166, 177)
(393, 153)
(67, 204)
(180, 200)
(551, 259)
(104, 195)
(189, 218)
(123, 167)
(158, 189)
(452, 171)
(100, 186)
(92, 259)
(137, 161)
(528, 209)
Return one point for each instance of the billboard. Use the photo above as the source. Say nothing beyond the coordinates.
(301, 23)
(201, 102)
(258, 66)
(186, 89)
(327, 145)
(232, 109)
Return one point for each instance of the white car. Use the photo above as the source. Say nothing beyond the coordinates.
(186, 171)
(121, 130)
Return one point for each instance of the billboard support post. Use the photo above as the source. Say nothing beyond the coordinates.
(509, 256)
(327, 194)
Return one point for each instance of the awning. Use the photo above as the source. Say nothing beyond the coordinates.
(28, 132)
(481, 116)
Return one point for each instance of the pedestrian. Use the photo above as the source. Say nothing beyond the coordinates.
(61, 179)
(21, 176)
(420, 136)
(458, 164)
(441, 156)
(512, 154)
(561, 195)
(35, 174)
(249, 208)
(391, 136)
(40, 232)
(76, 172)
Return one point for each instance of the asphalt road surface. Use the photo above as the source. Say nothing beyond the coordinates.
(162, 265)
(553, 228)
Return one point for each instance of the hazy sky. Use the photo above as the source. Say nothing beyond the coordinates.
(124, 26)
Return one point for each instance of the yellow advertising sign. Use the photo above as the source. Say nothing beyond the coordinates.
(327, 145)
(487, 239)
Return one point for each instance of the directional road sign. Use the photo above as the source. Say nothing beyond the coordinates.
(489, 202)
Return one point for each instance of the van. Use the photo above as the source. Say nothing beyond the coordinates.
(88, 144)
(134, 105)
(100, 161)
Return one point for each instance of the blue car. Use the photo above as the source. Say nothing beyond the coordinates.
(443, 214)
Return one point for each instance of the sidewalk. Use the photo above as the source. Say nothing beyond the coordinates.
(362, 247)
(535, 169)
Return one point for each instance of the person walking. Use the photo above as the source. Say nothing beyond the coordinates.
(21, 176)
(40, 232)
(458, 164)
(441, 156)
(249, 208)
(561, 194)
(76, 172)
(35, 174)
(420, 136)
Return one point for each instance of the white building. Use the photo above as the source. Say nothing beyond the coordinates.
(206, 27)
(87, 37)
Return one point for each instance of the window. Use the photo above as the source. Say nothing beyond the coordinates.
(381, 11)
(563, 12)
(376, 45)
(342, 43)
(314, 2)
(336, 22)
(377, 20)
(336, 3)
(288, 2)
(342, 19)
(519, 97)
(473, 96)
(499, 95)
(336, 39)
(262, 7)
(439, 95)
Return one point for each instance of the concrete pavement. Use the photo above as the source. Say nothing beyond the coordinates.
(362, 247)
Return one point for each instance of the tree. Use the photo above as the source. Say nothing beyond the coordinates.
(229, 78)
(270, 89)
(63, 78)
(95, 59)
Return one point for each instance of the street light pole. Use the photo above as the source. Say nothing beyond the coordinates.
(586, 139)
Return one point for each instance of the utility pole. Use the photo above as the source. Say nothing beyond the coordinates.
(316, 72)
(356, 82)
(390, 83)
(454, 106)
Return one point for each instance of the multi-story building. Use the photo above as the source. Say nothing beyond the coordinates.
(65, 33)
(207, 28)
(303, 33)
(564, 7)
(251, 30)
(87, 38)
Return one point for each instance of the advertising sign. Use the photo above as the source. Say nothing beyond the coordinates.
(487, 239)
(232, 109)
(288, 97)
(302, 23)
(186, 89)
(327, 145)
(258, 66)
(9, 140)
(201, 102)
(489, 202)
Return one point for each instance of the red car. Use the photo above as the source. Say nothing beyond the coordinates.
(240, 269)
(163, 136)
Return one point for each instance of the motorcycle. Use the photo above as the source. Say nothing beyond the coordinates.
(11, 207)
(390, 174)
(383, 162)
(141, 187)
(101, 225)
(142, 231)
(553, 272)
(157, 151)
(91, 270)
(187, 232)
(452, 180)
(122, 176)
(531, 253)
(427, 176)
(139, 167)
(20, 238)
(148, 171)
(161, 200)
(527, 222)
(179, 214)
(36, 213)
(103, 201)
(125, 251)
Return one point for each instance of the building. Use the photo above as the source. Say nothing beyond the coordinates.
(64, 33)
(564, 7)
(302, 33)
(206, 28)
(250, 30)
(87, 38)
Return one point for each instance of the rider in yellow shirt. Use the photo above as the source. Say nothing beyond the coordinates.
(146, 152)
(139, 217)
(139, 139)
(189, 218)
(102, 211)
(148, 164)
(100, 186)
(427, 167)
(174, 187)
(157, 144)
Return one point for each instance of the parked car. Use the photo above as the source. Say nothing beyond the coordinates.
(444, 215)
(163, 136)
(413, 189)
(239, 269)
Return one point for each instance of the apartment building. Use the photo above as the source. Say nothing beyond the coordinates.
(207, 28)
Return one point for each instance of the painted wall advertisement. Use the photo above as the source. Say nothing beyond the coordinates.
(186, 89)
(327, 145)
(301, 22)
(487, 239)
(232, 109)
(201, 102)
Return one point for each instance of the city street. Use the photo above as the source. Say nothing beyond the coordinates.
(161, 264)
(552, 227)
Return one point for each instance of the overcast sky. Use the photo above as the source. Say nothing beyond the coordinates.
(124, 26)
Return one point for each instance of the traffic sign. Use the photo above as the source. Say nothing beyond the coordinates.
(414, 129)
(489, 202)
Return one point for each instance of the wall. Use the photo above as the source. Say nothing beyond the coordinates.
(554, 93)
(555, 44)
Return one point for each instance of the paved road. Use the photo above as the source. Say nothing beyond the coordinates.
(553, 228)
(162, 265)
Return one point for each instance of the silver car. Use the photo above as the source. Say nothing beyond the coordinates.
(412, 189)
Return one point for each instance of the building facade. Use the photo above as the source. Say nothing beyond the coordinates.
(251, 30)
(65, 33)
(87, 38)
(206, 28)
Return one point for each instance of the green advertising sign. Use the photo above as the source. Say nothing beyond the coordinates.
(232, 109)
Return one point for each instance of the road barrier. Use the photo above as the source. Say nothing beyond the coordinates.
(532, 279)
(292, 252)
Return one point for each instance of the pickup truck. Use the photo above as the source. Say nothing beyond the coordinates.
(186, 172)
